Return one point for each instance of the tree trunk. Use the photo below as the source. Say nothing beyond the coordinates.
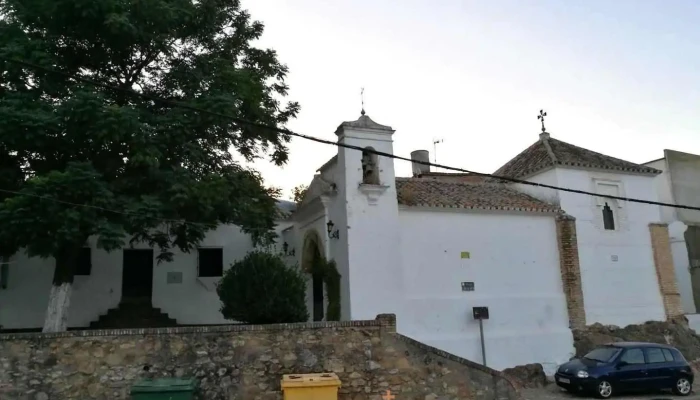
(59, 297)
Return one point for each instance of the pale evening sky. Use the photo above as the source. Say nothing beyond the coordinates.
(620, 77)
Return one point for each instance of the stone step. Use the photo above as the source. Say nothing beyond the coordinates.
(133, 315)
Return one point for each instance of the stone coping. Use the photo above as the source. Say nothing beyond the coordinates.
(471, 364)
(383, 320)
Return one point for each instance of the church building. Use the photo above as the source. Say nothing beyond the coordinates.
(430, 248)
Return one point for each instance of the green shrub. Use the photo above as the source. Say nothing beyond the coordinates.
(261, 289)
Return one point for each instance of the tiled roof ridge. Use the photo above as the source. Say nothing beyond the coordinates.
(550, 152)
(448, 182)
(545, 141)
(640, 167)
(533, 204)
(517, 157)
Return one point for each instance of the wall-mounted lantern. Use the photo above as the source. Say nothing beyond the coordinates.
(331, 233)
(287, 252)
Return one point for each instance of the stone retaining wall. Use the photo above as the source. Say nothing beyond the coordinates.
(241, 362)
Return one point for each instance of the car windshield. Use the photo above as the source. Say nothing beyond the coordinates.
(603, 354)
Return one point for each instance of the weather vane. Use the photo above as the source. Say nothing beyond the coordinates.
(362, 96)
(541, 118)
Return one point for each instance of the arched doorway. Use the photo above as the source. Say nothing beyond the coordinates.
(312, 254)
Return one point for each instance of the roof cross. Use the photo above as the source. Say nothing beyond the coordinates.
(541, 118)
(362, 95)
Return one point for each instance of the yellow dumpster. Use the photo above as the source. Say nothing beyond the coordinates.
(310, 386)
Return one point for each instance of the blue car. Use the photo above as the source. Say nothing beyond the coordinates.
(627, 366)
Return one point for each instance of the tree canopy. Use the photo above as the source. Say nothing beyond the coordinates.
(93, 162)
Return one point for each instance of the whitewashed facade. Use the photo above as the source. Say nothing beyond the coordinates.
(680, 184)
(427, 248)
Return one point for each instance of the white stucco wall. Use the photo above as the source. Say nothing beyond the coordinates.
(694, 322)
(624, 291)
(369, 227)
(679, 184)
(514, 264)
(194, 301)
(681, 263)
(23, 303)
(548, 177)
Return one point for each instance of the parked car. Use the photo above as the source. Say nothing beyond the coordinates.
(627, 366)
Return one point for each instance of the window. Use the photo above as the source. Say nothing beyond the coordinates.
(655, 355)
(210, 262)
(608, 218)
(667, 355)
(633, 356)
(370, 167)
(609, 207)
(677, 355)
(84, 266)
(603, 354)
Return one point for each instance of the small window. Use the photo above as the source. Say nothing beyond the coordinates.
(84, 266)
(608, 218)
(667, 355)
(677, 355)
(655, 355)
(633, 356)
(210, 262)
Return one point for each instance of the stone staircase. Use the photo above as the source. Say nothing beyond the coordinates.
(134, 314)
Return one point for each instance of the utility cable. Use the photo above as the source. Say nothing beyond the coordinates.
(333, 143)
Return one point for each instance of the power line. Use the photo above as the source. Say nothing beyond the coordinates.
(329, 142)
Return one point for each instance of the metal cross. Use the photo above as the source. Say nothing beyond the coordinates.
(541, 118)
(362, 95)
(388, 395)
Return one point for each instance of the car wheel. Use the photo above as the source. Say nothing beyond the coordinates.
(604, 390)
(682, 387)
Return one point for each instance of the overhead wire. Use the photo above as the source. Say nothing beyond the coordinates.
(338, 144)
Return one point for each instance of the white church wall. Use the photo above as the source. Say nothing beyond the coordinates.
(681, 264)
(618, 275)
(548, 177)
(23, 303)
(370, 227)
(514, 264)
(193, 301)
(662, 184)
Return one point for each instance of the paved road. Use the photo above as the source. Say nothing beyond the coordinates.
(552, 392)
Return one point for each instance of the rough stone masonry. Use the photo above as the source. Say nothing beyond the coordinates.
(242, 362)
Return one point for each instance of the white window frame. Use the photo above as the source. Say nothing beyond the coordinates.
(614, 204)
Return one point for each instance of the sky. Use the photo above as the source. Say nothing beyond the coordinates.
(619, 77)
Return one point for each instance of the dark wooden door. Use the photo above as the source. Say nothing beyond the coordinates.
(137, 275)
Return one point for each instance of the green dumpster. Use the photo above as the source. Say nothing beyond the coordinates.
(164, 389)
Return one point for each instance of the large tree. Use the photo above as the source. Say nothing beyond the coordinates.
(88, 161)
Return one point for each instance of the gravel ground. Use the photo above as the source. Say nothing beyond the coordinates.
(553, 392)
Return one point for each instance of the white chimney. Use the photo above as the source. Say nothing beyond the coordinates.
(422, 156)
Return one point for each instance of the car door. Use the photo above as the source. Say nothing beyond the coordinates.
(631, 370)
(658, 369)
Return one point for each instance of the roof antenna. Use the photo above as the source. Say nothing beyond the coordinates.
(435, 143)
(362, 95)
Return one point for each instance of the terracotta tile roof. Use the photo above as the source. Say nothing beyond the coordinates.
(449, 176)
(548, 152)
(452, 194)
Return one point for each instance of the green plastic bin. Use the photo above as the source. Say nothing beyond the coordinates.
(164, 389)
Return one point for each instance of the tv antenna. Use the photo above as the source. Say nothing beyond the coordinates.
(435, 143)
